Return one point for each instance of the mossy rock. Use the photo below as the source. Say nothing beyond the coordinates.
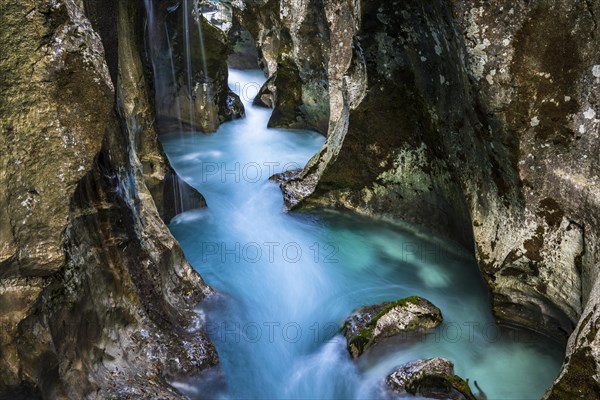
(366, 326)
(577, 382)
(431, 378)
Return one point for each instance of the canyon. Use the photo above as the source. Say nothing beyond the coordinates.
(471, 120)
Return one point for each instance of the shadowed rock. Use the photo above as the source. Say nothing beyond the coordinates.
(96, 297)
(432, 378)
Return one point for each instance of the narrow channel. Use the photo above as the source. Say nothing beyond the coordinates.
(288, 280)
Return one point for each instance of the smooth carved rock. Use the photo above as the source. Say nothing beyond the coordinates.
(266, 96)
(297, 67)
(452, 115)
(432, 378)
(368, 325)
(96, 296)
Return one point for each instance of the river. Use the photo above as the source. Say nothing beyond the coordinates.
(288, 280)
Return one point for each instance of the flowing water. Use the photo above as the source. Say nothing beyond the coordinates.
(288, 280)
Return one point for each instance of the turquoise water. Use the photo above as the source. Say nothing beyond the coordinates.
(288, 280)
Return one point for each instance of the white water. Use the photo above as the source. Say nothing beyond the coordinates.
(289, 280)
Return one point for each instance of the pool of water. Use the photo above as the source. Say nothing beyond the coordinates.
(288, 280)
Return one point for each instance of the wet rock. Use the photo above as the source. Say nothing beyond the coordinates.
(190, 67)
(267, 94)
(283, 179)
(95, 294)
(432, 378)
(171, 194)
(368, 325)
(451, 115)
(286, 176)
(296, 67)
(243, 53)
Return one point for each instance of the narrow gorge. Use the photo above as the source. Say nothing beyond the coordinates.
(299, 199)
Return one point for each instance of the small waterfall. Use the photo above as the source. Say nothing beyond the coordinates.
(170, 73)
(174, 79)
(188, 59)
(198, 19)
(175, 42)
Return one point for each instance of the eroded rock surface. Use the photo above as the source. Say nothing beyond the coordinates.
(296, 68)
(189, 61)
(478, 120)
(432, 378)
(367, 326)
(96, 297)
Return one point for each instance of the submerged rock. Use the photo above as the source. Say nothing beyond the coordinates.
(432, 378)
(366, 326)
(427, 125)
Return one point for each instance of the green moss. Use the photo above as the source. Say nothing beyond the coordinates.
(460, 385)
(364, 339)
(358, 344)
(578, 381)
(416, 300)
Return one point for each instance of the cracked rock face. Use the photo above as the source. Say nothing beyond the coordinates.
(479, 121)
(96, 297)
(368, 325)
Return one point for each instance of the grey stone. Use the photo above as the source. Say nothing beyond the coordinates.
(368, 325)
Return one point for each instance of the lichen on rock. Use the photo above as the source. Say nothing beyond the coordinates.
(367, 326)
(452, 115)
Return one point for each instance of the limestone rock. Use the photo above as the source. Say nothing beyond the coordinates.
(452, 115)
(266, 96)
(96, 295)
(432, 378)
(368, 325)
(243, 52)
(297, 67)
(451, 154)
(190, 69)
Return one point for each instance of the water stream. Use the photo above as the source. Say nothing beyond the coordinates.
(288, 280)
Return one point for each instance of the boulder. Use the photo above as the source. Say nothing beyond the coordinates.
(433, 378)
(366, 326)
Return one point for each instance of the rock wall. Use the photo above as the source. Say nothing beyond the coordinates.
(188, 56)
(539, 71)
(296, 68)
(96, 297)
(476, 120)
